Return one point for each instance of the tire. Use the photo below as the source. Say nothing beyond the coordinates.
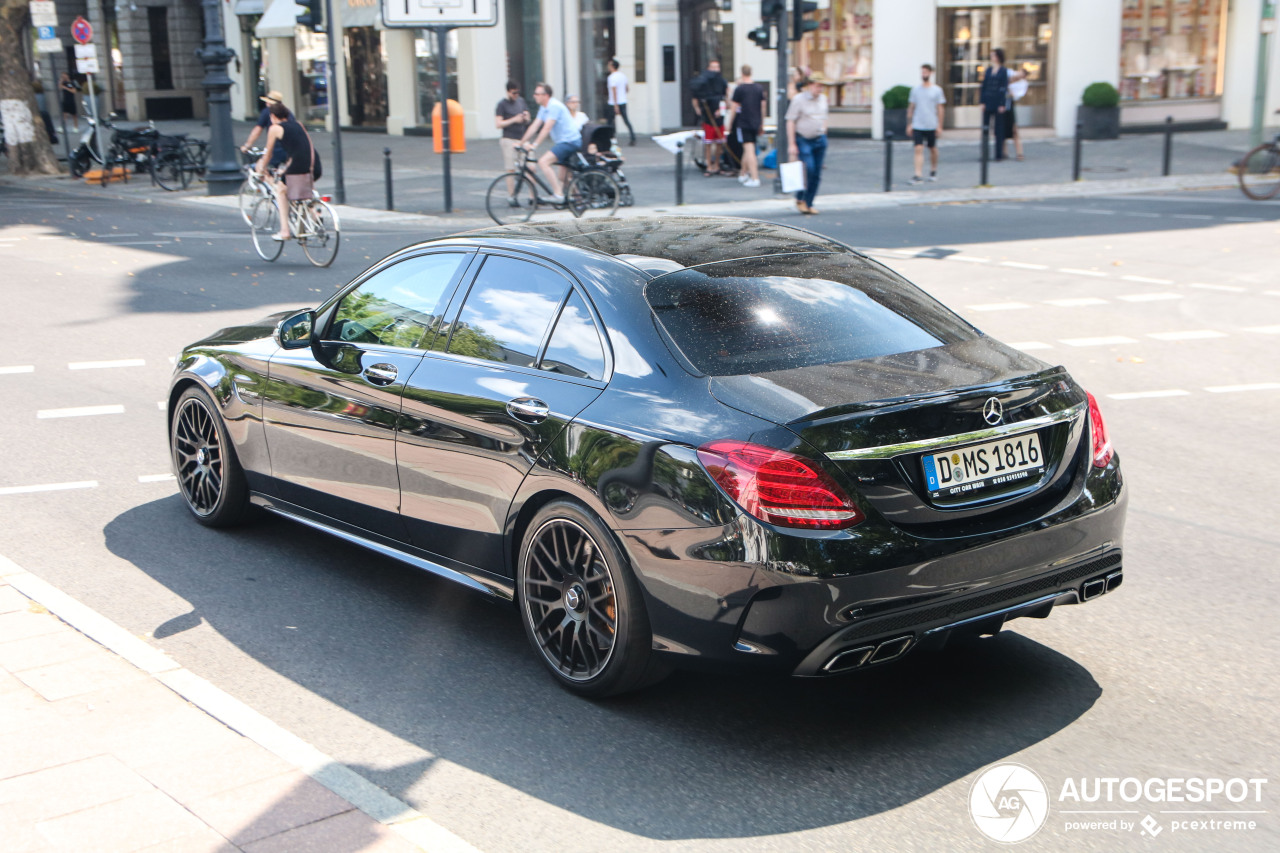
(197, 154)
(1259, 172)
(209, 475)
(581, 606)
(248, 197)
(500, 209)
(593, 192)
(320, 239)
(263, 222)
(168, 170)
(81, 162)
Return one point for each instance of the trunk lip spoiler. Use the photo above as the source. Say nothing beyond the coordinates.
(887, 451)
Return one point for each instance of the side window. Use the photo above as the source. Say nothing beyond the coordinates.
(508, 311)
(399, 306)
(575, 348)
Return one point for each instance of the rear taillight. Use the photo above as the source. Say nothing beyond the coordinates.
(326, 198)
(1102, 451)
(779, 487)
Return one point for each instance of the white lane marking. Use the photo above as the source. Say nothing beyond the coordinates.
(1190, 335)
(115, 235)
(1264, 330)
(1028, 346)
(156, 478)
(1142, 279)
(1093, 211)
(1225, 288)
(143, 243)
(1098, 342)
(999, 306)
(1243, 219)
(1018, 265)
(80, 412)
(970, 259)
(18, 368)
(1073, 271)
(1148, 297)
(1149, 395)
(48, 487)
(1076, 302)
(173, 359)
(1272, 292)
(1144, 215)
(1256, 386)
(98, 365)
(1007, 206)
(160, 404)
(1190, 216)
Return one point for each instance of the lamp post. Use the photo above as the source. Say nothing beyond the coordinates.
(224, 176)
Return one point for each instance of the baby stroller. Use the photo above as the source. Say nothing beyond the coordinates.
(599, 152)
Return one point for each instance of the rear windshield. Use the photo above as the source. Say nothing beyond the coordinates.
(759, 315)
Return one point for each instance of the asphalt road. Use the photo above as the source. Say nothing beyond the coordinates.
(1166, 307)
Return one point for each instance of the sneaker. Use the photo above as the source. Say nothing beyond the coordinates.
(512, 201)
(556, 199)
(742, 179)
(933, 176)
(750, 182)
(916, 179)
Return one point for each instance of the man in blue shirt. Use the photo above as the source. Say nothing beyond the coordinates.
(566, 140)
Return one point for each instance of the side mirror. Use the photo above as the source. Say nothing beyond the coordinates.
(295, 332)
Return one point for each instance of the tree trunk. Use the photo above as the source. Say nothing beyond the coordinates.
(26, 140)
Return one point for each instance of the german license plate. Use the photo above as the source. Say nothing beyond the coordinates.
(989, 467)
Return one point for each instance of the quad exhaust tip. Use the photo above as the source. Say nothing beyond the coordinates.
(888, 650)
(1100, 586)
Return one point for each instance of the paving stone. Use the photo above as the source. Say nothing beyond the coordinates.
(27, 623)
(12, 601)
(212, 772)
(84, 675)
(72, 787)
(353, 830)
(46, 744)
(204, 841)
(268, 807)
(21, 709)
(47, 649)
(129, 824)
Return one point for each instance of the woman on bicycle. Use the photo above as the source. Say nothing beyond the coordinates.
(288, 133)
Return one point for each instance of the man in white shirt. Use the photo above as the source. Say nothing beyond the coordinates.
(617, 84)
(924, 116)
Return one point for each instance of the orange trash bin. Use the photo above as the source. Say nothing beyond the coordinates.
(457, 129)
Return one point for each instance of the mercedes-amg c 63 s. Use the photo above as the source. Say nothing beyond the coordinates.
(670, 442)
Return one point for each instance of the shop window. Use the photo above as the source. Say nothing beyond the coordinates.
(424, 49)
(839, 52)
(1171, 49)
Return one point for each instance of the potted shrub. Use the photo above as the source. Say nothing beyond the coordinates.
(895, 111)
(1099, 112)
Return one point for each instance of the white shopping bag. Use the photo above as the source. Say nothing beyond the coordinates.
(792, 174)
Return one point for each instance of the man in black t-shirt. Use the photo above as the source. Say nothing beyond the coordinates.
(707, 90)
(264, 124)
(511, 116)
(746, 120)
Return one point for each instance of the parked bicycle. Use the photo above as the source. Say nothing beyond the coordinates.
(588, 190)
(254, 187)
(1259, 171)
(313, 224)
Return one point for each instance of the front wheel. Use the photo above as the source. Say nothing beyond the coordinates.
(1259, 172)
(168, 170)
(507, 207)
(593, 191)
(81, 162)
(319, 232)
(263, 223)
(581, 605)
(248, 196)
(209, 475)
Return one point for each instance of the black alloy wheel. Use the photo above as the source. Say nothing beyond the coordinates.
(209, 475)
(581, 607)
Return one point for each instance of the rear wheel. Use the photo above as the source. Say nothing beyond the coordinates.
(319, 234)
(209, 475)
(168, 169)
(509, 208)
(593, 192)
(1259, 172)
(264, 222)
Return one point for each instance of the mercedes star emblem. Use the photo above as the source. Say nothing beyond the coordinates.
(992, 411)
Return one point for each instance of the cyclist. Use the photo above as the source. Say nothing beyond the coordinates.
(566, 140)
(264, 124)
(299, 162)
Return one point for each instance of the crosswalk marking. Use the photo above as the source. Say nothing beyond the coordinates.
(80, 412)
(48, 487)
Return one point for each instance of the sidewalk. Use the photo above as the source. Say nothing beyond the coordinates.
(106, 744)
(853, 176)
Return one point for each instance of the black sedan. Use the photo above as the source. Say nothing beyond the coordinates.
(688, 442)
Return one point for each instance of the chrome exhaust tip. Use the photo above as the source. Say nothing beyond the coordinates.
(1093, 588)
(1114, 580)
(849, 659)
(890, 649)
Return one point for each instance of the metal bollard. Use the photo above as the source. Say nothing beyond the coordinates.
(679, 173)
(1075, 153)
(386, 174)
(1168, 146)
(986, 144)
(888, 160)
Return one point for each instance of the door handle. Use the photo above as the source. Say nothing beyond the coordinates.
(528, 409)
(381, 374)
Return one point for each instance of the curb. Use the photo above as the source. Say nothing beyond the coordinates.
(396, 815)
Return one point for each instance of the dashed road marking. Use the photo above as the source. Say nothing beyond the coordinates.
(18, 368)
(999, 306)
(1019, 265)
(1190, 216)
(1256, 386)
(1148, 395)
(1264, 330)
(156, 478)
(1028, 346)
(1111, 340)
(1073, 271)
(1148, 297)
(161, 405)
(1076, 302)
(98, 365)
(1243, 219)
(1190, 335)
(80, 412)
(970, 259)
(1093, 211)
(1142, 279)
(1272, 292)
(1224, 288)
(48, 487)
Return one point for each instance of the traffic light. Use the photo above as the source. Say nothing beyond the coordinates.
(762, 36)
(312, 16)
(799, 25)
(771, 10)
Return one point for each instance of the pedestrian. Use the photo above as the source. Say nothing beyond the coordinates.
(745, 122)
(511, 116)
(1018, 86)
(708, 90)
(574, 103)
(553, 120)
(924, 116)
(995, 98)
(618, 89)
(289, 136)
(807, 137)
(70, 92)
(264, 124)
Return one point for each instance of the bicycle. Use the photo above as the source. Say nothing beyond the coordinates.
(197, 154)
(589, 189)
(312, 222)
(254, 187)
(168, 163)
(1259, 171)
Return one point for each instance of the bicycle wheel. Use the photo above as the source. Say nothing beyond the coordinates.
(320, 232)
(1259, 172)
(168, 170)
(264, 222)
(250, 191)
(499, 203)
(197, 151)
(593, 191)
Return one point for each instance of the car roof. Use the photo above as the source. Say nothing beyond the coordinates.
(659, 245)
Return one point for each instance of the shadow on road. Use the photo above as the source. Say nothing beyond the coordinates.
(695, 757)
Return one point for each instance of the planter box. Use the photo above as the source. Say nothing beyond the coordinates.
(1098, 122)
(896, 121)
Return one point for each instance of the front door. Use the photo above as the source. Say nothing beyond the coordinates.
(1024, 31)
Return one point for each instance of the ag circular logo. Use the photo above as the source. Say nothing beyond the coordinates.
(1009, 803)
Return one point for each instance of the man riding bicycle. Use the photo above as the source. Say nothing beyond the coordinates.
(566, 140)
(288, 133)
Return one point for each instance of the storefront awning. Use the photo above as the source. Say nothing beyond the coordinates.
(249, 7)
(279, 21)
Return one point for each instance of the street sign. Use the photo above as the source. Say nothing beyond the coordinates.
(86, 59)
(440, 13)
(49, 45)
(45, 33)
(82, 32)
(43, 13)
